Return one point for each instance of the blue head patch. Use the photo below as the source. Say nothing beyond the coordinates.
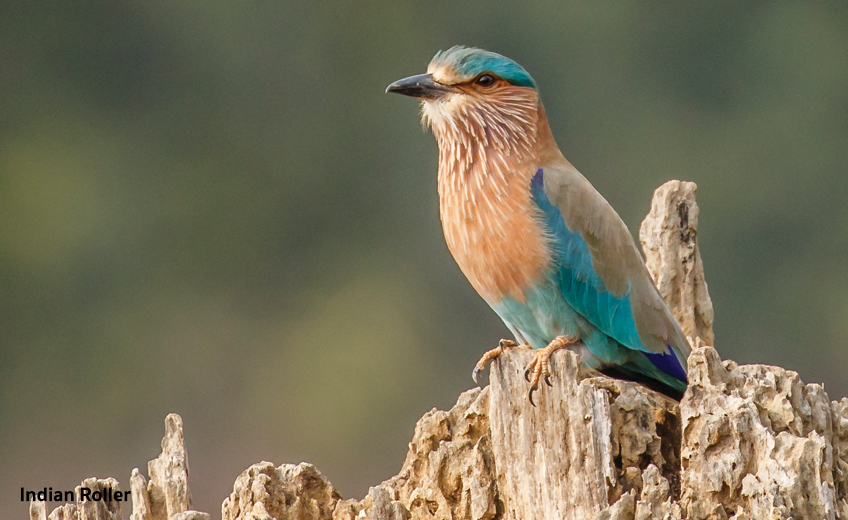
(460, 64)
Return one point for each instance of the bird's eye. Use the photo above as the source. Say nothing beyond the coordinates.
(486, 80)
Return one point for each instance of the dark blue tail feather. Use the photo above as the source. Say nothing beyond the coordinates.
(669, 364)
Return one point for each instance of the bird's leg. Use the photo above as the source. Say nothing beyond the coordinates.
(492, 354)
(540, 366)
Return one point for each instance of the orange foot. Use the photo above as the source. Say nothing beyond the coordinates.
(492, 354)
(540, 367)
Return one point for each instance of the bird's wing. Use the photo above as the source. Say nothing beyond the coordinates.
(601, 273)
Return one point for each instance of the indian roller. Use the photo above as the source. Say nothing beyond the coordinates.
(536, 240)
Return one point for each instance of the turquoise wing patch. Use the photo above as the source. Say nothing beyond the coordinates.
(580, 285)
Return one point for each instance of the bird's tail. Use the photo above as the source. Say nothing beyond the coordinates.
(668, 386)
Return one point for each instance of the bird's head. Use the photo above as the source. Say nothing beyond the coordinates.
(470, 94)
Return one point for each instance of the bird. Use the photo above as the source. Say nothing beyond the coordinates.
(531, 234)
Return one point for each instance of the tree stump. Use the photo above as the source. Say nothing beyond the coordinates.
(745, 442)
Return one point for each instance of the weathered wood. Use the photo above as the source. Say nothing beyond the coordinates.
(449, 472)
(168, 486)
(141, 500)
(756, 443)
(759, 443)
(745, 442)
(165, 497)
(82, 509)
(290, 491)
(581, 446)
(669, 236)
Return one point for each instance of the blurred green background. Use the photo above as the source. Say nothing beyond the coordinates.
(213, 209)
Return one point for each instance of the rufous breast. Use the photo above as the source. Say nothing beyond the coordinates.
(494, 231)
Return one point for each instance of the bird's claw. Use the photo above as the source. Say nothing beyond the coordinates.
(490, 355)
(536, 369)
(539, 367)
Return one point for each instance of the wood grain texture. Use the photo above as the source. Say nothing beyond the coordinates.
(669, 236)
(579, 447)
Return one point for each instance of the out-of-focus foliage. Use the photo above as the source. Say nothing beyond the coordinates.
(213, 209)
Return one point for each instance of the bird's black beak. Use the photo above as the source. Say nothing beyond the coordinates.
(422, 86)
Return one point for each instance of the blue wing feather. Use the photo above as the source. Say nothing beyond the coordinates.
(586, 292)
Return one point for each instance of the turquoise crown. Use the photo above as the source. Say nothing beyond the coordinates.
(470, 62)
